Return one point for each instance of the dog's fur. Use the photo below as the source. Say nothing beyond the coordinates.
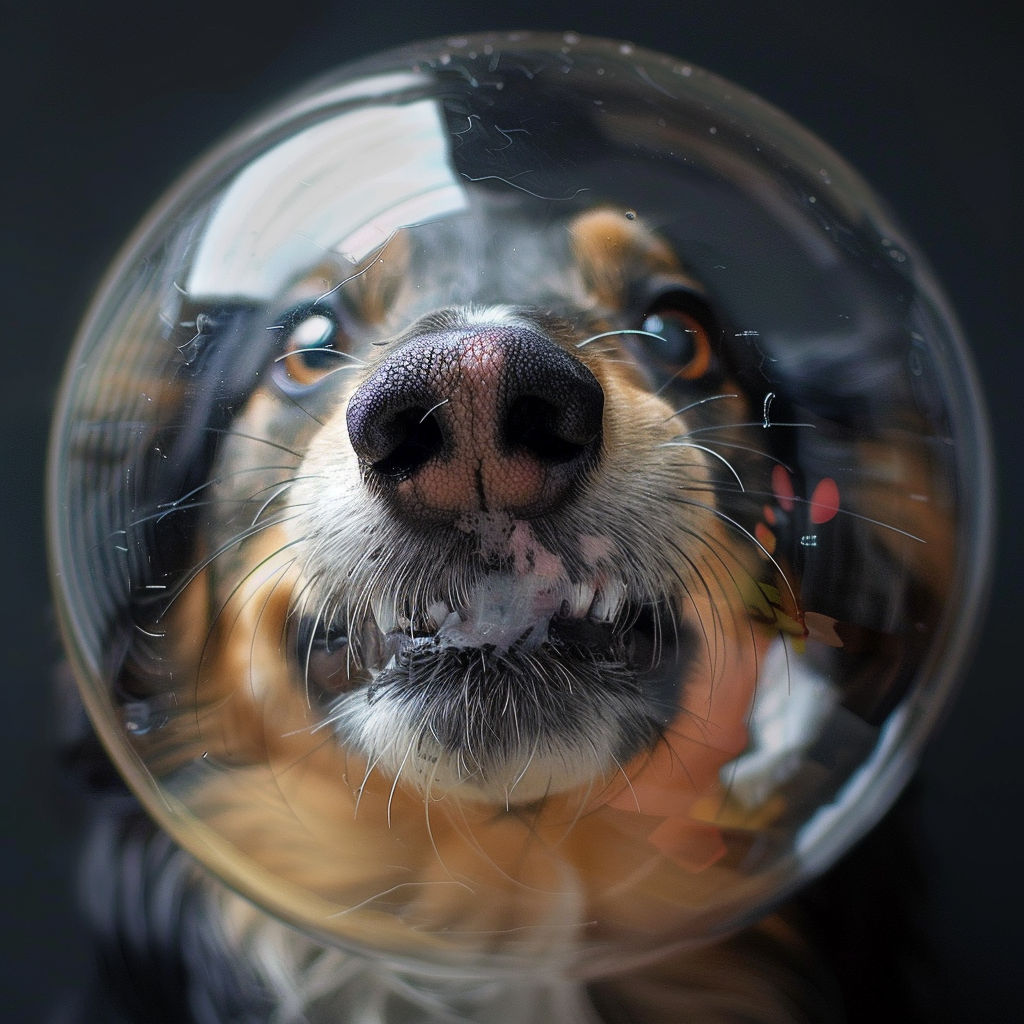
(426, 602)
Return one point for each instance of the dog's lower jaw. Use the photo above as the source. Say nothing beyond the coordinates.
(514, 780)
(536, 687)
(542, 764)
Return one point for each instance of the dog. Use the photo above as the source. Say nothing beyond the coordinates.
(486, 573)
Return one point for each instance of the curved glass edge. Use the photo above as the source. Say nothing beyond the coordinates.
(833, 830)
(904, 733)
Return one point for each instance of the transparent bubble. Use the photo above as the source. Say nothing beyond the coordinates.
(520, 499)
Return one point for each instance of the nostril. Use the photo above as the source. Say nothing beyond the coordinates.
(414, 437)
(553, 404)
(396, 418)
(551, 432)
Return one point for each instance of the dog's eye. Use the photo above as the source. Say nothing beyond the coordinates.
(310, 349)
(680, 343)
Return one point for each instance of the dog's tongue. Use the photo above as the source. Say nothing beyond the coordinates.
(505, 609)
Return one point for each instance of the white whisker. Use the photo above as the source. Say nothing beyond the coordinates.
(613, 334)
(721, 458)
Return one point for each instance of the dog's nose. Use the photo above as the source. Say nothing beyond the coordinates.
(483, 418)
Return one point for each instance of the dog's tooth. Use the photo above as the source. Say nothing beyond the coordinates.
(580, 599)
(608, 602)
(384, 615)
(437, 613)
(599, 607)
(617, 597)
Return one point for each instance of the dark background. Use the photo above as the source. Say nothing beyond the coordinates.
(105, 103)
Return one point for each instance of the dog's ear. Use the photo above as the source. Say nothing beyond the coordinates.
(221, 358)
(139, 537)
(219, 355)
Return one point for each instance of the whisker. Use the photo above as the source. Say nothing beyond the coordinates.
(169, 508)
(284, 487)
(304, 756)
(252, 643)
(225, 477)
(309, 651)
(298, 405)
(712, 649)
(629, 781)
(341, 369)
(195, 490)
(398, 775)
(613, 334)
(745, 448)
(254, 437)
(223, 549)
(433, 408)
(746, 533)
(468, 834)
(370, 765)
(235, 589)
(736, 426)
(395, 888)
(526, 768)
(680, 761)
(430, 829)
(698, 447)
(321, 348)
(585, 797)
(158, 516)
(845, 512)
(692, 405)
(358, 273)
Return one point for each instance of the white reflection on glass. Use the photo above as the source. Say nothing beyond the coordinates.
(346, 184)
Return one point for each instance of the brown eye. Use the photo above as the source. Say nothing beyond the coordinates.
(310, 349)
(680, 345)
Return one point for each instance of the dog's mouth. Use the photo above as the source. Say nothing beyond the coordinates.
(502, 616)
(522, 669)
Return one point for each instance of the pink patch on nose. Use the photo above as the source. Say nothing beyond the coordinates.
(824, 501)
(782, 486)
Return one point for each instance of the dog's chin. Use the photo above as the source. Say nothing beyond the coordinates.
(528, 689)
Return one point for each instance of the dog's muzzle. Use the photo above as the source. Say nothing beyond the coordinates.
(489, 431)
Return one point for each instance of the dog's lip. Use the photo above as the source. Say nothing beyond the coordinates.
(595, 620)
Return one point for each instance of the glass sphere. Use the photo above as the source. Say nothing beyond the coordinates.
(523, 499)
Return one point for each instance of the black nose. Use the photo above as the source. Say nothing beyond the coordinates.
(488, 417)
